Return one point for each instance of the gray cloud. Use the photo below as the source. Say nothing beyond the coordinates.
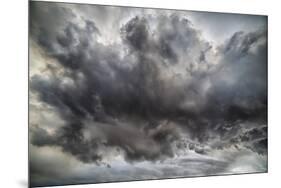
(159, 90)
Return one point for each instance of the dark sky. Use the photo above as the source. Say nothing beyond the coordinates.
(122, 94)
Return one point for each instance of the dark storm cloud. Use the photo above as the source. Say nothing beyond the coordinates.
(84, 99)
(136, 34)
(47, 20)
(41, 137)
(243, 66)
(134, 102)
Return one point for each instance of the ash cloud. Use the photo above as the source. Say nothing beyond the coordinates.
(162, 89)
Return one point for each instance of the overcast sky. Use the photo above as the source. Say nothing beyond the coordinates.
(120, 93)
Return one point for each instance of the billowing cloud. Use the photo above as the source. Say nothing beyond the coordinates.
(154, 91)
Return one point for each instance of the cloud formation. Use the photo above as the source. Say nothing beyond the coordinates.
(158, 91)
